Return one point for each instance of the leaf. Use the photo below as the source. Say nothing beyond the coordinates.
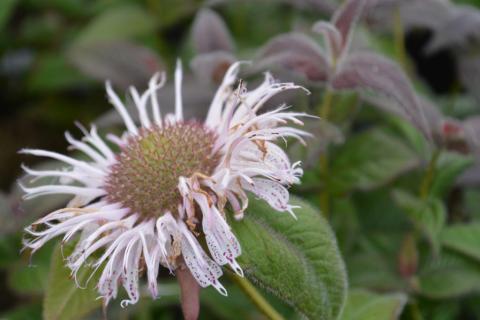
(457, 30)
(471, 127)
(63, 299)
(365, 71)
(427, 215)
(296, 52)
(333, 39)
(325, 7)
(463, 238)
(369, 160)
(123, 62)
(210, 33)
(297, 260)
(449, 167)
(119, 23)
(449, 276)
(366, 305)
(414, 138)
(345, 19)
(30, 277)
(211, 67)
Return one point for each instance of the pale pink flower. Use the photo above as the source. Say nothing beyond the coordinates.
(168, 184)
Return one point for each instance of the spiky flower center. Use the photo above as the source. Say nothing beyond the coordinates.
(146, 175)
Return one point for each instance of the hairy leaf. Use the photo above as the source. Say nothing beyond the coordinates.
(333, 39)
(366, 305)
(63, 299)
(296, 52)
(210, 33)
(373, 73)
(427, 215)
(297, 260)
(369, 160)
(346, 17)
(463, 238)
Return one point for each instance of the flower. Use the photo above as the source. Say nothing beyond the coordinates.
(168, 184)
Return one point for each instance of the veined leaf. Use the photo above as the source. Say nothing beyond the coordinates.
(346, 17)
(63, 299)
(427, 215)
(369, 160)
(365, 305)
(464, 239)
(296, 52)
(448, 276)
(297, 260)
(369, 72)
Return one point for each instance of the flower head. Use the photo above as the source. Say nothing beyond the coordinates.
(167, 184)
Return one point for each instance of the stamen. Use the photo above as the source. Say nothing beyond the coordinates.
(146, 175)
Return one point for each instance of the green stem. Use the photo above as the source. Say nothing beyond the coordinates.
(324, 113)
(326, 104)
(399, 40)
(255, 296)
(429, 174)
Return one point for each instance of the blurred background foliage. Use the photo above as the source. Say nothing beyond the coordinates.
(394, 164)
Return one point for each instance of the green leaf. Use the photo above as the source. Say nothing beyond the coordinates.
(118, 23)
(464, 239)
(427, 215)
(450, 165)
(369, 160)
(449, 276)
(30, 276)
(365, 305)
(297, 260)
(411, 134)
(63, 299)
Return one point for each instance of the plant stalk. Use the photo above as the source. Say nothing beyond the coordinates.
(399, 41)
(249, 289)
(324, 113)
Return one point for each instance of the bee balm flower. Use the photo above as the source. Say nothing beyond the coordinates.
(168, 185)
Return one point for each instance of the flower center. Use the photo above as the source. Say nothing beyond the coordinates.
(146, 174)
